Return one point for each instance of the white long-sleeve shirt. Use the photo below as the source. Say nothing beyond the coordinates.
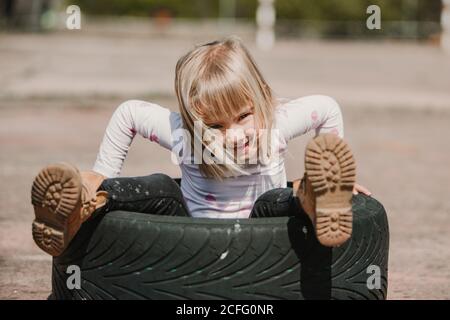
(206, 197)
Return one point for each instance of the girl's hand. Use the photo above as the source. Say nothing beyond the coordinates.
(358, 188)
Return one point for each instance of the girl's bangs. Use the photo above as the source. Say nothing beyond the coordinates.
(217, 98)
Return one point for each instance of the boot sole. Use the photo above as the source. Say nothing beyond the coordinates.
(330, 166)
(55, 193)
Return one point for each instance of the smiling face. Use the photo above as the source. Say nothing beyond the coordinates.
(219, 85)
(239, 131)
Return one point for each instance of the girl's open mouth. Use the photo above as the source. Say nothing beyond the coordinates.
(245, 147)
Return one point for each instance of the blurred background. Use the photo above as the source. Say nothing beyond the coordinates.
(61, 79)
(413, 19)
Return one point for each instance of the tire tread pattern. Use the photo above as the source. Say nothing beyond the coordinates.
(125, 255)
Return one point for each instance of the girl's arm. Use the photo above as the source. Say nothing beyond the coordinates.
(132, 117)
(315, 112)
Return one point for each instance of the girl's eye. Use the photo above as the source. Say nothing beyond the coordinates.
(215, 126)
(245, 115)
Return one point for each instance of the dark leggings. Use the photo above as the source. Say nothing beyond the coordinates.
(160, 194)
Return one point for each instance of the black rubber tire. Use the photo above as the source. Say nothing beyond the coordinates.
(125, 255)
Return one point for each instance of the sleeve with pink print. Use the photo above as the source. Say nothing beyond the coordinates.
(132, 117)
(316, 112)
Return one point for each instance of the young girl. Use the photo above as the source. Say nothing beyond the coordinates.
(228, 112)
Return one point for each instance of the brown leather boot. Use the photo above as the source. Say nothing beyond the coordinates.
(303, 190)
(325, 192)
(63, 198)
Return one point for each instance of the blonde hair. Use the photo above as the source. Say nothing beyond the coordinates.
(219, 78)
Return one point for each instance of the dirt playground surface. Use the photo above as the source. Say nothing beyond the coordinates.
(58, 91)
(402, 158)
